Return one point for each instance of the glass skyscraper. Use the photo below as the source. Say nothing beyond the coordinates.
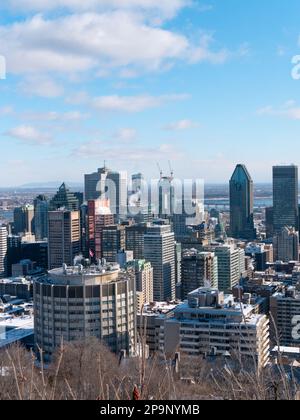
(241, 204)
(285, 197)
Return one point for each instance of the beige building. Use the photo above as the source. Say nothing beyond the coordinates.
(143, 272)
(63, 237)
(74, 303)
(286, 245)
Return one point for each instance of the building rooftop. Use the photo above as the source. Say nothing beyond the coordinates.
(159, 308)
(13, 329)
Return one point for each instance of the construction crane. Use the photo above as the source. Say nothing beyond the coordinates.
(171, 170)
(160, 170)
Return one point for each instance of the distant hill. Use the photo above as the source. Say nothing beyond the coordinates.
(51, 185)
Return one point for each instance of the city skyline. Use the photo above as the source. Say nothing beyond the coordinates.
(208, 92)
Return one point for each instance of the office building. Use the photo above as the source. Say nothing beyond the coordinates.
(286, 245)
(113, 241)
(261, 253)
(63, 237)
(3, 251)
(269, 222)
(99, 216)
(231, 266)
(159, 250)
(285, 197)
(24, 219)
(74, 303)
(285, 313)
(241, 204)
(135, 239)
(198, 269)
(143, 272)
(41, 207)
(64, 199)
(212, 323)
(109, 185)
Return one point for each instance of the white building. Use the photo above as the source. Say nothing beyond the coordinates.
(3, 251)
(159, 250)
(212, 323)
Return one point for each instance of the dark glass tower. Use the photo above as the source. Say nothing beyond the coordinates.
(64, 198)
(241, 204)
(285, 197)
(41, 206)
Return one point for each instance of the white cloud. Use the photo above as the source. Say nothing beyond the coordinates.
(53, 116)
(42, 86)
(181, 125)
(123, 40)
(126, 134)
(289, 110)
(29, 134)
(98, 149)
(6, 110)
(119, 103)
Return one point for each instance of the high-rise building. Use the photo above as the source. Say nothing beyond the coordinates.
(109, 185)
(269, 222)
(24, 219)
(135, 239)
(198, 269)
(94, 184)
(41, 207)
(3, 251)
(113, 241)
(178, 258)
(74, 303)
(63, 237)
(64, 199)
(285, 197)
(143, 272)
(99, 216)
(241, 204)
(166, 197)
(231, 266)
(286, 245)
(159, 250)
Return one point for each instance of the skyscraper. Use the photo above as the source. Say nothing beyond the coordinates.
(3, 251)
(160, 251)
(24, 219)
(286, 245)
(99, 216)
(231, 266)
(63, 237)
(135, 239)
(113, 241)
(199, 269)
(241, 204)
(110, 185)
(285, 197)
(64, 199)
(41, 207)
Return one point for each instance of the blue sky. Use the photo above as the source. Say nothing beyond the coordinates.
(205, 84)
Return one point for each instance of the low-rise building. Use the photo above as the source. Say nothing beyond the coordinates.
(211, 322)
